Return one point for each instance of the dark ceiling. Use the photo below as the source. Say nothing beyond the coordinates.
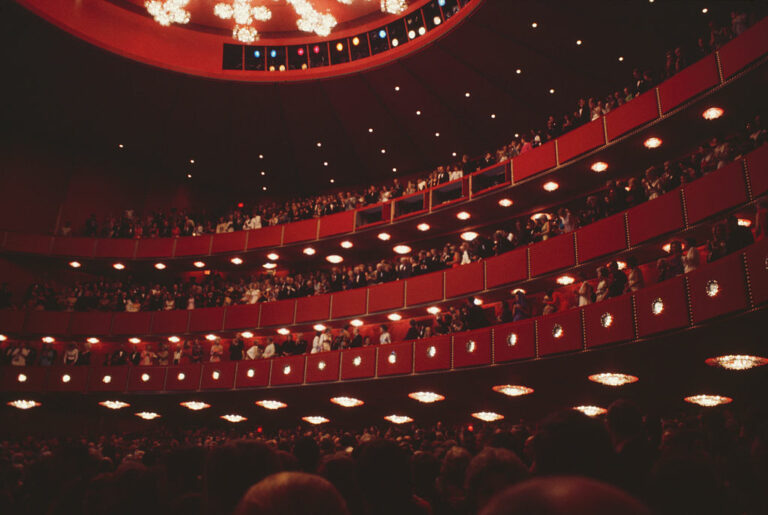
(63, 94)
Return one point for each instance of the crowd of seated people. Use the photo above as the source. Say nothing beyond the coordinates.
(214, 290)
(632, 460)
(179, 222)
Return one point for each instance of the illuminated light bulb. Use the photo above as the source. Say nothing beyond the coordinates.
(174, 339)
(210, 337)
(339, 46)
(315, 420)
(395, 317)
(418, 113)
(599, 166)
(512, 339)
(426, 397)
(356, 322)
(422, 31)
(357, 361)
(346, 244)
(309, 251)
(273, 256)
(713, 113)
(704, 10)
(432, 351)
(284, 331)
(513, 390)
(181, 376)
(48, 339)
(433, 310)
(145, 377)
(195, 405)
(250, 373)
(287, 370)
(552, 91)
(134, 340)
(243, 14)
(578, 42)
(199, 264)
(423, 227)
(744, 222)
(467, 94)
(621, 58)
(3, 337)
(215, 375)
(557, 331)
(505, 202)
(488, 416)
(518, 290)
(469, 235)
(271, 405)
(114, 404)
(92, 340)
(652, 143)
(106, 379)
(606, 320)
(534, 25)
(393, 6)
(712, 288)
(471, 346)
(477, 301)
(118, 266)
(236, 261)
(402, 249)
(147, 415)
(246, 334)
(392, 358)
(166, 12)
(355, 40)
(565, 280)
(613, 379)
(737, 362)
(591, 411)
(24, 404)
(463, 215)
(160, 266)
(518, 71)
(437, 20)
(551, 186)
(657, 306)
(493, 116)
(334, 258)
(383, 150)
(397, 88)
(384, 236)
(437, 134)
(75, 264)
(347, 402)
(411, 34)
(621, 265)
(233, 418)
(269, 266)
(708, 401)
(22, 378)
(321, 365)
(318, 327)
(398, 419)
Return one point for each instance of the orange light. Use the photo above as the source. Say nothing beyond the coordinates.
(713, 113)
(402, 249)
(652, 143)
(236, 261)
(463, 215)
(708, 401)
(613, 379)
(339, 46)
(423, 227)
(744, 222)
(599, 166)
(24, 404)
(195, 405)
(75, 264)
(426, 397)
(488, 416)
(315, 420)
(160, 266)
(513, 390)
(505, 202)
(347, 402)
(118, 266)
(398, 419)
(550, 186)
(384, 236)
(199, 264)
(591, 411)
(271, 405)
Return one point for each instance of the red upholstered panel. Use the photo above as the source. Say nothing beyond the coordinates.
(534, 161)
(28, 243)
(206, 319)
(507, 268)
(154, 383)
(258, 377)
(330, 370)
(691, 81)
(74, 246)
(118, 379)
(675, 310)
(570, 338)
(116, 248)
(287, 371)
(349, 303)
(402, 353)
(12, 321)
(338, 223)
(226, 375)
(366, 366)
(424, 288)
(467, 355)
(131, 323)
(715, 192)
(464, 279)
(609, 321)
(718, 288)
(386, 296)
(242, 316)
(514, 341)
(552, 254)
(90, 324)
(631, 115)
(266, 237)
(441, 360)
(757, 166)
(155, 247)
(581, 140)
(277, 313)
(229, 241)
(300, 231)
(601, 238)
(35, 382)
(170, 322)
(189, 381)
(47, 322)
(313, 308)
(661, 215)
(78, 379)
(748, 47)
(757, 263)
(193, 246)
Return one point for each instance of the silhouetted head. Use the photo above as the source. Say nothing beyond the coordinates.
(292, 493)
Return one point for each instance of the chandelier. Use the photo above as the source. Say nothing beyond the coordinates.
(244, 15)
(166, 12)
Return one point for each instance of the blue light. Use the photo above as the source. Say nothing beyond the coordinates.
(257, 53)
(441, 3)
(383, 33)
(273, 53)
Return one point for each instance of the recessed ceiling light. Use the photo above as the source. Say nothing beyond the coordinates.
(271, 405)
(246, 334)
(199, 264)
(191, 161)
(708, 401)
(518, 71)
(453, 154)
(426, 397)
(347, 402)
(621, 58)
(493, 116)
(418, 113)
(513, 390)
(591, 411)
(263, 173)
(75, 264)
(384, 236)
(565, 280)
(160, 266)
(395, 317)
(613, 379)
(704, 11)
(283, 331)
(174, 339)
(325, 163)
(433, 310)
(120, 146)
(309, 251)
(234, 418)
(93, 340)
(550, 186)
(189, 176)
(397, 88)
(134, 340)
(488, 416)
(236, 261)
(370, 129)
(713, 113)
(346, 244)
(551, 91)
(463, 215)
(505, 202)
(402, 249)
(114, 404)
(398, 419)
(467, 94)
(315, 420)
(534, 25)
(269, 266)
(195, 405)
(3, 337)
(737, 362)
(356, 322)
(437, 134)
(578, 42)
(394, 169)
(261, 156)
(272, 256)
(319, 327)
(147, 415)
(118, 266)
(383, 150)
(423, 227)
(652, 143)
(47, 339)
(319, 144)
(469, 235)
(599, 166)
(334, 258)
(24, 404)
(263, 188)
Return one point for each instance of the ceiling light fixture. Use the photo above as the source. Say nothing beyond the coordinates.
(565, 280)
(319, 327)
(652, 143)
(708, 401)
(315, 420)
(713, 113)
(347, 402)
(599, 166)
(199, 264)
(236, 261)
(309, 251)
(513, 390)
(233, 418)
(737, 362)
(166, 12)
(426, 397)
(271, 405)
(550, 186)
(346, 244)
(384, 236)
(75, 264)
(463, 215)
(24, 404)
(398, 419)
(334, 258)
(469, 235)
(395, 317)
(505, 202)
(195, 405)
(613, 379)
(147, 415)
(488, 416)
(423, 227)
(115, 405)
(402, 249)
(591, 411)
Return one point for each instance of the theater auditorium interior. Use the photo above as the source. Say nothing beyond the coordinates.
(375, 257)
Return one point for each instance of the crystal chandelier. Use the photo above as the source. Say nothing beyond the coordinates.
(244, 15)
(393, 6)
(168, 11)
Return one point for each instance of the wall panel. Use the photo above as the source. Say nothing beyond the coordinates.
(718, 288)
(662, 307)
(580, 141)
(464, 279)
(514, 341)
(472, 348)
(534, 161)
(386, 296)
(432, 353)
(659, 216)
(560, 332)
(696, 78)
(609, 321)
(552, 254)
(631, 115)
(313, 308)
(506, 268)
(358, 363)
(606, 236)
(400, 353)
(349, 303)
(323, 366)
(424, 288)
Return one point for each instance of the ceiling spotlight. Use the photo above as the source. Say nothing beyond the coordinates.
(398, 419)
(737, 362)
(621, 58)
(744, 222)
(271, 405)
(467, 94)
(269, 266)
(599, 166)
(174, 339)
(713, 113)
(402, 249)
(319, 327)
(513, 390)
(261, 156)
(284, 331)
(578, 42)
(518, 71)
(272, 256)
(493, 116)
(708, 401)
(199, 264)
(565, 280)
(534, 25)
(211, 337)
(334, 258)
(114, 404)
(24, 404)
(319, 144)
(120, 145)
(3, 337)
(134, 340)
(488, 416)
(189, 176)
(118, 266)
(704, 11)
(106, 379)
(394, 169)
(145, 377)
(613, 379)
(195, 405)
(47, 339)
(591, 411)
(469, 235)
(75, 264)
(395, 317)
(356, 322)
(437, 134)
(383, 150)
(551, 91)
(160, 266)
(550, 186)
(346, 244)
(384, 236)
(418, 113)
(397, 88)
(463, 215)
(423, 227)
(426, 397)
(477, 301)
(236, 261)
(147, 415)
(246, 334)
(315, 420)
(505, 202)
(92, 340)
(234, 418)
(433, 310)
(309, 251)
(370, 129)
(652, 143)
(347, 402)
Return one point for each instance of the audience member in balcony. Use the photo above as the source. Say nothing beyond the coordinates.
(521, 308)
(717, 246)
(71, 354)
(20, 355)
(618, 280)
(135, 357)
(414, 331)
(690, 258)
(326, 340)
(148, 356)
(739, 236)
(48, 355)
(384, 336)
(603, 283)
(84, 357)
(163, 355)
(635, 280)
(196, 355)
(585, 294)
(217, 351)
(119, 357)
(270, 349)
(505, 314)
(254, 352)
(236, 348)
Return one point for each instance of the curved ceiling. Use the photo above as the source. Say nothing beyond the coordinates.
(82, 101)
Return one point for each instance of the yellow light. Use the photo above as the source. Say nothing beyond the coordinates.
(48, 339)
(246, 334)
(22, 378)
(147, 415)
(433, 310)
(426, 397)
(195, 405)
(24, 404)
(3, 337)
(392, 358)
(287, 370)
(357, 361)
(398, 419)
(174, 339)
(346, 244)
(737, 362)
(339, 46)
(347, 402)
(145, 377)
(384, 236)
(199, 264)
(423, 227)
(160, 266)
(395, 317)
(273, 256)
(269, 266)
(334, 258)
(744, 222)
(551, 186)
(606, 320)
(505, 202)
(513, 390)
(181, 376)
(251, 372)
(708, 401)
(356, 41)
(565, 280)
(118, 266)
(713, 113)
(134, 340)
(234, 418)
(599, 166)
(92, 340)
(271, 405)
(236, 261)
(315, 420)
(66, 378)
(469, 235)
(318, 327)
(591, 411)
(652, 143)
(210, 337)
(309, 251)
(463, 215)
(215, 375)
(284, 331)
(114, 404)
(402, 249)
(106, 379)
(488, 416)
(75, 264)
(356, 322)
(613, 379)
